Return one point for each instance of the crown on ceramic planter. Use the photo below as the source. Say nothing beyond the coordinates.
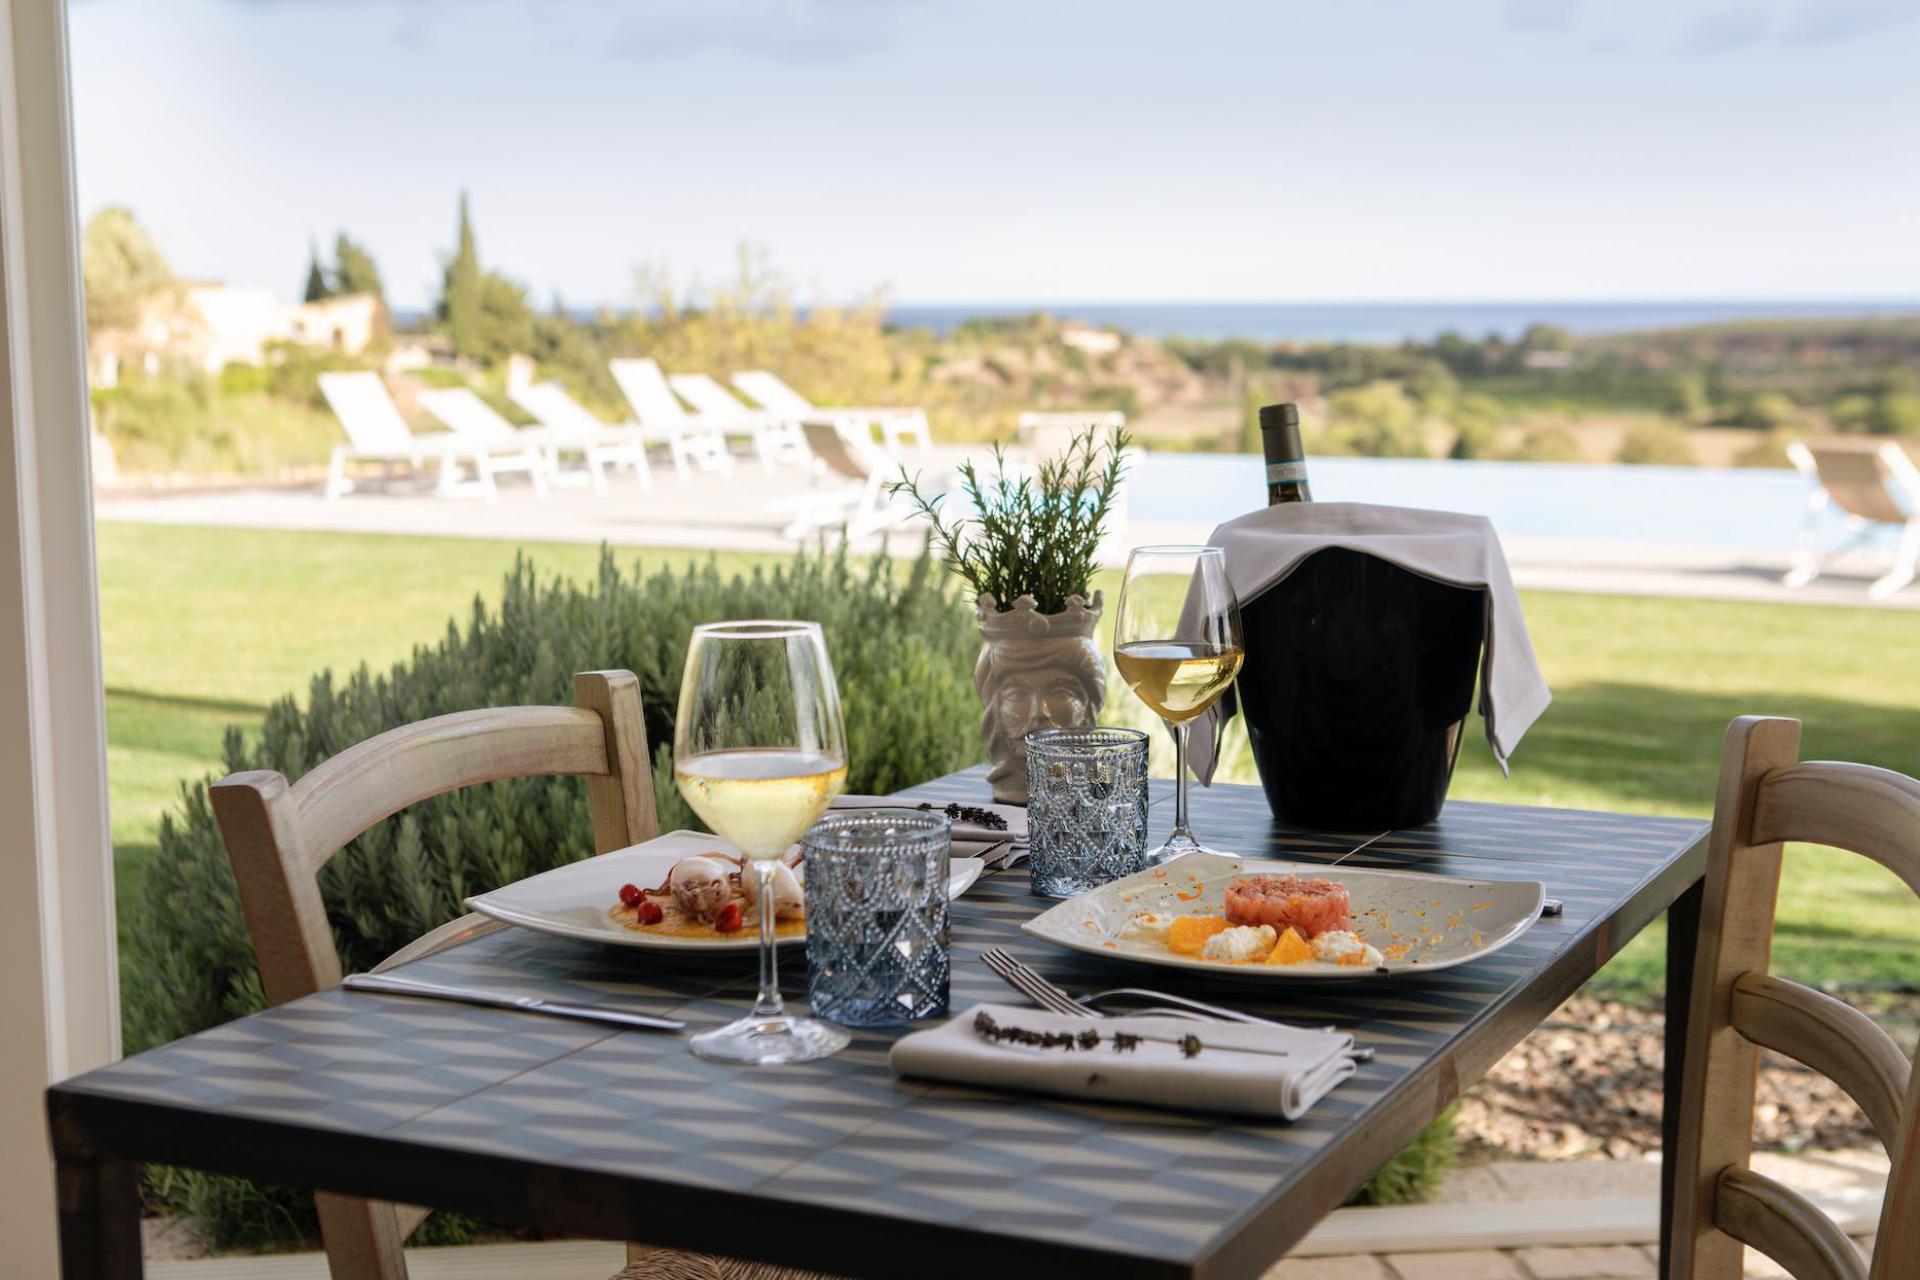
(1023, 617)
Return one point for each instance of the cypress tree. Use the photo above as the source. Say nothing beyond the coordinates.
(461, 302)
(317, 287)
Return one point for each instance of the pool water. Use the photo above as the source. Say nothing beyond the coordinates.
(1758, 508)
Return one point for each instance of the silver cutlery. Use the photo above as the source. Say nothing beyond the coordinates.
(387, 984)
(1028, 982)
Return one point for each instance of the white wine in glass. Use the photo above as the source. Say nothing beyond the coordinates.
(759, 751)
(1176, 642)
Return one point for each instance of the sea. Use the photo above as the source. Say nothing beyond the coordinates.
(1387, 322)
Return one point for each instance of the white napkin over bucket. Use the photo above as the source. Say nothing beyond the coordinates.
(1000, 847)
(1264, 546)
(1241, 1068)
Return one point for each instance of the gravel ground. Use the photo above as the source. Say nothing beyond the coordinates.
(1587, 1085)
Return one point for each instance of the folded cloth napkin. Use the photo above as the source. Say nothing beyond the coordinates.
(1264, 546)
(971, 838)
(1240, 1067)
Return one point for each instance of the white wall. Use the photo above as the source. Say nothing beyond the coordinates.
(58, 997)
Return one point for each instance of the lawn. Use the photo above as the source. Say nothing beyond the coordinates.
(202, 628)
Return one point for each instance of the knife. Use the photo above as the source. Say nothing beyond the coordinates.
(387, 984)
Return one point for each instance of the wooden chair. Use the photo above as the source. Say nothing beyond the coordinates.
(1767, 797)
(279, 836)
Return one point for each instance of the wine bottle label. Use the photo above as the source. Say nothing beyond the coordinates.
(1286, 472)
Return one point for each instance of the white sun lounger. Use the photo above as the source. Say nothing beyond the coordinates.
(498, 446)
(1877, 484)
(860, 505)
(377, 433)
(574, 428)
(692, 441)
(776, 438)
(767, 390)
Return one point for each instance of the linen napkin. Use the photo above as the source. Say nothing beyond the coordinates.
(1001, 848)
(1264, 546)
(1241, 1068)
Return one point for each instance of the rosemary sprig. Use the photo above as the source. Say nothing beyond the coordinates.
(1037, 535)
(1123, 1042)
(970, 813)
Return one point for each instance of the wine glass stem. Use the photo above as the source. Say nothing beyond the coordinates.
(1180, 782)
(768, 1004)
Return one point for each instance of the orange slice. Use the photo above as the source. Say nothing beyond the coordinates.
(1188, 934)
(1291, 949)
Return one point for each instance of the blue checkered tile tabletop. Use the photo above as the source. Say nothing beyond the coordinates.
(836, 1164)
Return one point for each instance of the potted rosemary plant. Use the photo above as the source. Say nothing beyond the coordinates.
(1028, 549)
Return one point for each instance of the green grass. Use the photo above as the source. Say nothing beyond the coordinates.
(202, 628)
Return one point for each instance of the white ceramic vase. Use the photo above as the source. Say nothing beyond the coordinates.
(1036, 671)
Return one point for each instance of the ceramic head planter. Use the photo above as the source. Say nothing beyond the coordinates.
(1036, 671)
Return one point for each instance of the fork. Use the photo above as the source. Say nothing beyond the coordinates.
(1028, 982)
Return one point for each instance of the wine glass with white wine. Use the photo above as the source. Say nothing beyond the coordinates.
(759, 750)
(1176, 642)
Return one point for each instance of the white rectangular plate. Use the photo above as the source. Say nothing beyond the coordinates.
(1443, 920)
(573, 901)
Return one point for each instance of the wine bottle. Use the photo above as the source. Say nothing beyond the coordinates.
(1286, 459)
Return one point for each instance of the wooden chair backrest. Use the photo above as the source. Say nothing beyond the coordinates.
(279, 836)
(1766, 798)
(842, 452)
(1864, 477)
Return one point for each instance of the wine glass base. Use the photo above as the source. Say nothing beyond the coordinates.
(770, 1042)
(1179, 846)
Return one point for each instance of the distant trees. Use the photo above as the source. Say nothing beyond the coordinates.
(1378, 420)
(120, 269)
(484, 313)
(353, 271)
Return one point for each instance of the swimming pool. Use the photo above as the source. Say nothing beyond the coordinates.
(1757, 508)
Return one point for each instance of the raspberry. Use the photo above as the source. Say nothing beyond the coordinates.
(729, 919)
(630, 895)
(649, 912)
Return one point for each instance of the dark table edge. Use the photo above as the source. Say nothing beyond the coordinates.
(1245, 1247)
(736, 1224)
(94, 1128)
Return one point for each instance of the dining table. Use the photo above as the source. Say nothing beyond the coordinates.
(837, 1165)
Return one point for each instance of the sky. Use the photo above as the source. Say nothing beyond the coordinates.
(1025, 150)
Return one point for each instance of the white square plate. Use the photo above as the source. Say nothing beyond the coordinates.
(573, 901)
(1440, 920)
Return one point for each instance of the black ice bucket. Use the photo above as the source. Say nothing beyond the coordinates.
(1359, 675)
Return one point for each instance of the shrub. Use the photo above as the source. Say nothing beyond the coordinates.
(1551, 443)
(903, 649)
(1377, 420)
(1770, 450)
(1657, 442)
(1416, 1172)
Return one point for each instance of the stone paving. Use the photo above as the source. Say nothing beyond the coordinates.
(1577, 1262)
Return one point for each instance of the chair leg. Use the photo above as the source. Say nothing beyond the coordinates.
(337, 482)
(1906, 560)
(537, 472)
